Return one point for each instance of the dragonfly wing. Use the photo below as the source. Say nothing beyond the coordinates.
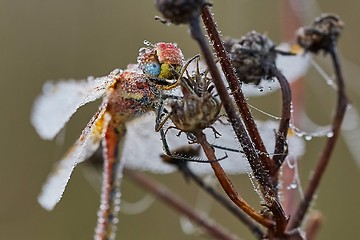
(143, 147)
(236, 162)
(351, 131)
(83, 148)
(293, 67)
(59, 101)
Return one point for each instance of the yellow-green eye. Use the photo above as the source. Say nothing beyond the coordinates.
(166, 71)
(152, 68)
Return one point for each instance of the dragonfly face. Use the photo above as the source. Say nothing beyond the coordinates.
(162, 63)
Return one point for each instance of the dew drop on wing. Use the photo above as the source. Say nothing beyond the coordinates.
(292, 186)
(58, 101)
(308, 137)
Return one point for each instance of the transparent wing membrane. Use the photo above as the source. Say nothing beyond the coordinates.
(83, 148)
(143, 147)
(59, 101)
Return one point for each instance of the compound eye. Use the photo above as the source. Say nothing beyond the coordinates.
(152, 68)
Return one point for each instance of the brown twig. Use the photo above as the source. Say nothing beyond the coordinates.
(314, 183)
(235, 87)
(280, 143)
(178, 204)
(226, 183)
(259, 162)
(234, 119)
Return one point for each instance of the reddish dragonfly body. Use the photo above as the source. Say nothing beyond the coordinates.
(126, 94)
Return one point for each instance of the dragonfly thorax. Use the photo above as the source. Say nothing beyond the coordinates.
(132, 95)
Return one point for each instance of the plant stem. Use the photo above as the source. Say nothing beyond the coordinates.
(235, 87)
(280, 151)
(234, 119)
(226, 183)
(258, 160)
(314, 183)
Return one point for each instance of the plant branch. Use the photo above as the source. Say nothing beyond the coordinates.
(314, 183)
(259, 162)
(280, 143)
(234, 119)
(168, 197)
(226, 183)
(235, 87)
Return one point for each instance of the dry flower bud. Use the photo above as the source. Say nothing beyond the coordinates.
(322, 34)
(251, 56)
(180, 11)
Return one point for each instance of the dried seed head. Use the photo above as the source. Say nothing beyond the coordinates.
(199, 108)
(322, 34)
(180, 11)
(250, 56)
(195, 113)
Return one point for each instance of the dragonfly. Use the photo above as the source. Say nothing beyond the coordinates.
(126, 94)
(125, 118)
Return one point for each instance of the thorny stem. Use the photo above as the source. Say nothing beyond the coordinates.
(256, 162)
(234, 119)
(280, 143)
(255, 229)
(280, 151)
(226, 183)
(177, 203)
(235, 88)
(314, 183)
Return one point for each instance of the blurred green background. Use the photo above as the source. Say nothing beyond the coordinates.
(42, 40)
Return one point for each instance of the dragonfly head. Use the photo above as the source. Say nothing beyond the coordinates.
(162, 63)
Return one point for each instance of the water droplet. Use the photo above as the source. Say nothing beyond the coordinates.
(292, 186)
(147, 43)
(308, 137)
(291, 107)
(299, 134)
(115, 220)
(330, 134)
